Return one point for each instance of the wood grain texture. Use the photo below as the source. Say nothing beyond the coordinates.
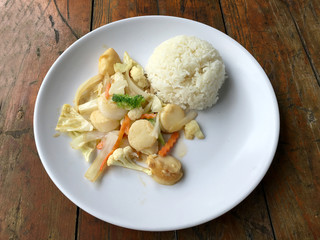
(128, 8)
(207, 12)
(283, 35)
(106, 11)
(93, 228)
(33, 34)
(249, 220)
(305, 15)
(267, 30)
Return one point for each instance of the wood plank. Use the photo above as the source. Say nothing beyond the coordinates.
(33, 34)
(90, 227)
(106, 11)
(100, 15)
(124, 9)
(246, 221)
(93, 228)
(305, 15)
(250, 219)
(207, 12)
(267, 30)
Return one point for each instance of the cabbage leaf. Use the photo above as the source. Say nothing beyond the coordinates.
(70, 120)
(127, 64)
(88, 107)
(156, 104)
(94, 171)
(87, 88)
(86, 147)
(80, 139)
(119, 84)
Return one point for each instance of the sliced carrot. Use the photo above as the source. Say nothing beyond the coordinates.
(106, 159)
(125, 123)
(100, 145)
(169, 144)
(148, 115)
(107, 90)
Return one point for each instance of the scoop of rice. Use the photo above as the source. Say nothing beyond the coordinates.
(187, 71)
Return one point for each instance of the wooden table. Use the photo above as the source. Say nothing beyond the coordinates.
(283, 35)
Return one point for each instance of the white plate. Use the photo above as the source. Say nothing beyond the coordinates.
(241, 133)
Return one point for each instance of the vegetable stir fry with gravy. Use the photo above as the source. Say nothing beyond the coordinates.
(116, 114)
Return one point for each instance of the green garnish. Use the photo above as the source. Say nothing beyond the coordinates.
(128, 102)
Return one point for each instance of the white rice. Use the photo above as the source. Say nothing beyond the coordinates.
(187, 71)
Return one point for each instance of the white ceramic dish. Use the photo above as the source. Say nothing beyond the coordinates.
(241, 133)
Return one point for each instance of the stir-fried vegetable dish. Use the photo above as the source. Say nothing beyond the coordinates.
(116, 115)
